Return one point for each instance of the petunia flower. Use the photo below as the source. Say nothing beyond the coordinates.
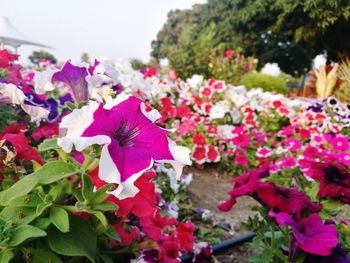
(310, 234)
(75, 78)
(11, 94)
(338, 256)
(288, 200)
(131, 141)
(333, 177)
(340, 143)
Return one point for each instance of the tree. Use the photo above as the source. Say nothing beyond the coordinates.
(290, 33)
(37, 56)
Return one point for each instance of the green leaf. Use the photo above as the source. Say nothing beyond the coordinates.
(25, 232)
(48, 144)
(41, 208)
(43, 256)
(6, 256)
(81, 240)
(42, 223)
(106, 206)
(53, 171)
(47, 174)
(330, 204)
(18, 215)
(101, 194)
(101, 217)
(59, 217)
(88, 188)
(29, 200)
(21, 188)
(111, 233)
(106, 259)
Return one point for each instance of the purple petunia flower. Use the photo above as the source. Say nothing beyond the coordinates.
(74, 78)
(131, 140)
(309, 233)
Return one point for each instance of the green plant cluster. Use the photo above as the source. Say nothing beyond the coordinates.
(266, 82)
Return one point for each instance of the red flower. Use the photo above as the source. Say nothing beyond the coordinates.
(142, 204)
(199, 154)
(127, 237)
(184, 234)
(285, 199)
(277, 103)
(156, 225)
(241, 140)
(183, 111)
(45, 131)
(151, 72)
(169, 252)
(198, 139)
(6, 58)
(23, 149)
(212, 129)
(14, 128)
(213, 154)
(334, 179)
(229, 53)
(241, 159)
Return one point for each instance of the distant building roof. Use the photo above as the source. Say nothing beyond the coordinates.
(10, 36)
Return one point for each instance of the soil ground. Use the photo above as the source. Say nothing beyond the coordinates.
(207, 189)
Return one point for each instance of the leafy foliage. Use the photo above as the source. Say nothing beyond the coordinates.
(266, 82)
(290, 33)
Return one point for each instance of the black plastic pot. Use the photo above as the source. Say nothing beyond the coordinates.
(227, 244)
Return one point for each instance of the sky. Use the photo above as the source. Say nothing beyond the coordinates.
(107, 28)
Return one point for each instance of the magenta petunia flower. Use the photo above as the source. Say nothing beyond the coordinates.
(131, 140)
(310, 234)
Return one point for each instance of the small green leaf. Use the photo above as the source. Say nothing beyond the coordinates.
(88, 188)
(111, 233)
(48, 144)
(101, 194)
(42, 207)
(81, 240)
(42, 223)
(59, 217)
(106, 206)
(25, 232)
(6, 256)
(101, 217)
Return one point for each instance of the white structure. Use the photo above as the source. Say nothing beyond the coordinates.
(10, 36)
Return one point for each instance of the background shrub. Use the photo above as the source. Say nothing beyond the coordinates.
(266, 82)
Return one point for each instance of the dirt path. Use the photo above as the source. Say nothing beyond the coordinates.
(207, 189)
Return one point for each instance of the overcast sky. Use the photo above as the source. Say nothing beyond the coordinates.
(110, 28)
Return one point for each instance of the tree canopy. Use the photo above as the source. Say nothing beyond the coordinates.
(290, 33)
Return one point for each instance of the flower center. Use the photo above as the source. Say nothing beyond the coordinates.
(333, 175)
(125, 134)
